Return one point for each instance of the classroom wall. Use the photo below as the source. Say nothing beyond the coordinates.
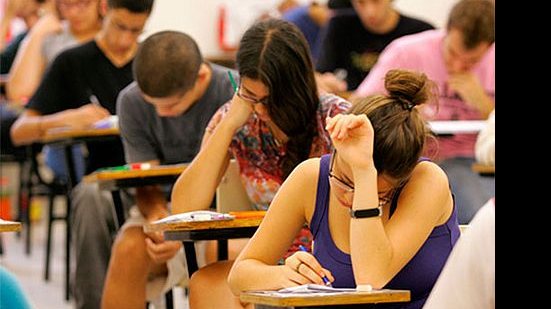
(199, 17)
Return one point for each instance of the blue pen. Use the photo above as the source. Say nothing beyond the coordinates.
(324, 278)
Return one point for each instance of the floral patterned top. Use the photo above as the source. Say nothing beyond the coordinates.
(258, 153)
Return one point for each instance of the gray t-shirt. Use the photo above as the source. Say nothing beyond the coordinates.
(56, 43)
(147, 136)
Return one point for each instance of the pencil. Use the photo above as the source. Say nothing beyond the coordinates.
(234, 84)
(94, 100)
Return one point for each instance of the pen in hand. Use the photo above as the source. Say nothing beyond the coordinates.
(94, 100)
(324, 278)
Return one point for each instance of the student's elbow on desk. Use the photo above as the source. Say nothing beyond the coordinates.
(233, 280)
(236, 277)
(182, 200)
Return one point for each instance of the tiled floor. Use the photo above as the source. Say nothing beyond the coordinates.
(29, 269)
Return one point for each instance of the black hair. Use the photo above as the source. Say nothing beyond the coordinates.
(134, 6)
(167, 63)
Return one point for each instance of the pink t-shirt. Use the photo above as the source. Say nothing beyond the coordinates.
(423, 52)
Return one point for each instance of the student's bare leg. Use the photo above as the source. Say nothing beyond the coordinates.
(208, 288)
(129, 267)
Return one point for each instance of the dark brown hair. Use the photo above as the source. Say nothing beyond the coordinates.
(167, 64)
(276, 53)
(476, 21)
(400, 130)
(134, 6)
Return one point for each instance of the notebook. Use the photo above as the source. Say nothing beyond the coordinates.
(230, 194)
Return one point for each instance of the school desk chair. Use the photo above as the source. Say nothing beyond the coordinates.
(33, 185)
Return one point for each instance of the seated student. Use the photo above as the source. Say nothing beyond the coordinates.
(29, 11)
(485, 147)
(353, 42)
(275, 120)
(70, 24)
(162, 118)
(468, 279)
(461, 61)
(380, 213)
(101, 67)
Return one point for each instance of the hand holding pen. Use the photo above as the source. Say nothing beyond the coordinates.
(308, 267)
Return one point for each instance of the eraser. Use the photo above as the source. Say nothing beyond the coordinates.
(202, 217)
(364, 288)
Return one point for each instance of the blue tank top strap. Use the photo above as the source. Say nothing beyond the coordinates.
(322, 195)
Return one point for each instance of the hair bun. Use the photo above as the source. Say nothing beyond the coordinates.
(408, 88)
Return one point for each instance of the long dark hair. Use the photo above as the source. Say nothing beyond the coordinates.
(276, 53)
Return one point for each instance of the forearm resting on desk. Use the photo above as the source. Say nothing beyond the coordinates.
(31, 126)
(252, 275)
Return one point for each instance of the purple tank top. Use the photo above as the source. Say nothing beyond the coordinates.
(418, 275)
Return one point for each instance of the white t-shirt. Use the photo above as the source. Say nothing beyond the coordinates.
(468, 278)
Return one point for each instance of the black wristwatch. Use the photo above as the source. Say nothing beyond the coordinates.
(366, 213)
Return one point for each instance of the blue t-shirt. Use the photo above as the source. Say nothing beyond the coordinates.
(418, 275)
(299, 16)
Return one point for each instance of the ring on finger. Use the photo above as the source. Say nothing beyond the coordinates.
(298, 267)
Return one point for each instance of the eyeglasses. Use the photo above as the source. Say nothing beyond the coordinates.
(81, 4)
(336, 181)
(349, 188)
(250, 99)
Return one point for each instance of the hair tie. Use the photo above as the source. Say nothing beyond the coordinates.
(406, 104)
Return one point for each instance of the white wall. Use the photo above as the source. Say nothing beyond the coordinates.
(199, 18)
(433, 11)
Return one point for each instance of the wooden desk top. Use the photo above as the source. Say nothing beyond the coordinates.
(203, 225)
(376, 296)
(117, 179)
(484, 169)
(60, 134)
(161, 170)
(345, 94)
(9, 226)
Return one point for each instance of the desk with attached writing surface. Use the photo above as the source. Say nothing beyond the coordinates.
(483, 169)
(451, 127)
(220, 230)
(344, 94)
(9, 226)
(330, 300)
(114, 180)
(68, 137)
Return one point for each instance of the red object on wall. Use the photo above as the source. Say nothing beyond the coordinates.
(222, 30)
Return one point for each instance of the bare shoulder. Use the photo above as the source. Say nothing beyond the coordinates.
(303, 182)
(429, 173)
(432, 191)
(308, 168)
(304, 174)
